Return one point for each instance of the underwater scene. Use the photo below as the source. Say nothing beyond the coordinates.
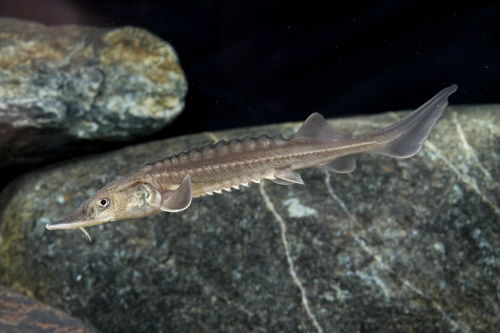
(249, 167)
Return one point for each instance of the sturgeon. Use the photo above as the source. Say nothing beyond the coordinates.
(168, 185)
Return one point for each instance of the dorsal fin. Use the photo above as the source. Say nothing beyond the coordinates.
(316, 127)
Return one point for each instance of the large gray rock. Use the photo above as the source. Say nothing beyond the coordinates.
(65, 83)
(407, 245)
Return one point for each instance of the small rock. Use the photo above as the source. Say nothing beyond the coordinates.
(62, 84)
(19, 313)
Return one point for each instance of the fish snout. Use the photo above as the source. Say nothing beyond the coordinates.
(72, 221)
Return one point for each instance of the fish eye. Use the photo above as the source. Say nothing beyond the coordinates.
(103, 203)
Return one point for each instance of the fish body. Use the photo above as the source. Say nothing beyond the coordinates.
(171, 183)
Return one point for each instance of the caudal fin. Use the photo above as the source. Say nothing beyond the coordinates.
(406, 137)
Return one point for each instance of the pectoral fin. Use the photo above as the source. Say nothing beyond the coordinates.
(179, 199)
(287, 177)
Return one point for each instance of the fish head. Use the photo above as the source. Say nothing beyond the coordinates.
(111, 203)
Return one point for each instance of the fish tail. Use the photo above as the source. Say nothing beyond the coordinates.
(405, 138)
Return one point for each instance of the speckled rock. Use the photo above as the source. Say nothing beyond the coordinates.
(64, 83)
(22, 314)
(407, 245)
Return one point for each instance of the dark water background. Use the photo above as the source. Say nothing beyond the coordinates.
(260, 62)
(257, 62)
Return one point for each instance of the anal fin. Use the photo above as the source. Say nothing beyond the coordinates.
(287, 177)
(341, 165)
(179, 199)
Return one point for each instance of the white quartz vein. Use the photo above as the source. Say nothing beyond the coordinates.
(376, 280)
(468, 180)
(454, 324)
(286, 245)
(469, 151)
(212, 136)
(220, 295)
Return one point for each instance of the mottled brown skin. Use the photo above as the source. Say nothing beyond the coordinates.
(169, 184)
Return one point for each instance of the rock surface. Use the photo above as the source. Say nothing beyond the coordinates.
(407, 245)
(22, 314)
(65, 83)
